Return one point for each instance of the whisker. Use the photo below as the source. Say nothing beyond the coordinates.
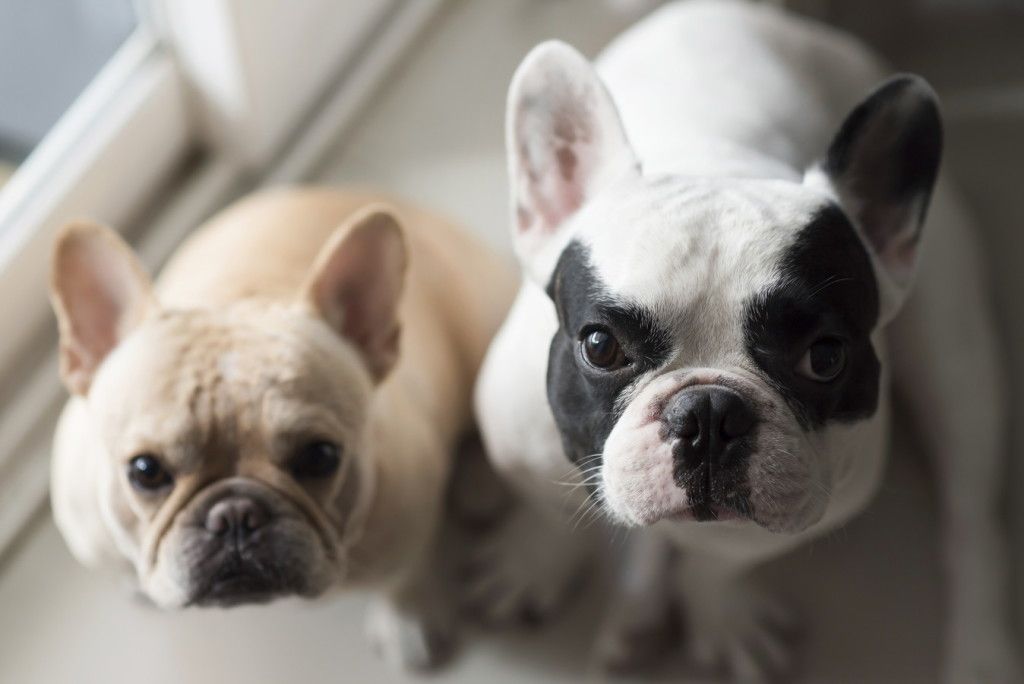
(827, 283)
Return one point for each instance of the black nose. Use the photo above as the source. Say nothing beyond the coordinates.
(236, 516)
(708, 419)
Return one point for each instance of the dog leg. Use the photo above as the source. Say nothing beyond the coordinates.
(525, 570)
(947, 365)
(412, 627)
(731, 623)
(519, 558)
(641, 624)
(478, 497)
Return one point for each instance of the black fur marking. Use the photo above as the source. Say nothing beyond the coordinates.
(827, 288)
(582, 398)
(714, 432)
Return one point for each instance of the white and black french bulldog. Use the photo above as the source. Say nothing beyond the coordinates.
(718, 227)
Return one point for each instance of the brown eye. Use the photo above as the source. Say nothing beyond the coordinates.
(146, 473)
(602, 350)
(824, 360)
(316, 460)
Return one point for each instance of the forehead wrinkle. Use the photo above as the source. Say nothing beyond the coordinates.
(220, 373)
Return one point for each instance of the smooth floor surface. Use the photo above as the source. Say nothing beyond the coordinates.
(871, 593)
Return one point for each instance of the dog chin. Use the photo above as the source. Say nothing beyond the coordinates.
(651, 496)
(237, 589)
(714, 516)
(794, 518)
(239, 582)
(711, 514)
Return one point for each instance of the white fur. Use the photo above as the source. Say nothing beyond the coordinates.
(731, 97)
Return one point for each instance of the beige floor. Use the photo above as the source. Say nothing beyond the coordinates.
(870, 593)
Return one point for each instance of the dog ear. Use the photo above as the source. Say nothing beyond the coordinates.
(564, 141)
(882, 164)
(356, 284)
(100, 293)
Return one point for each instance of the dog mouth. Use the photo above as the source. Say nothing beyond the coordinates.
(241, 579)
(708, 513)
(713, 493)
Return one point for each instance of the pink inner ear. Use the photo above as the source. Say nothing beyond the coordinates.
(555, 186)
(894, 233)
(566, 139)
(100, 293)
(357, 289)
(366, 313)
(354, 291)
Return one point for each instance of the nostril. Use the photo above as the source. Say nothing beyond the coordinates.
(687, 417)
(689, 426)
(736, 419)
(254, 517)
(235, 514)
(737, 424)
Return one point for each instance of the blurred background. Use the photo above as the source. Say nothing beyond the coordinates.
(150, 115)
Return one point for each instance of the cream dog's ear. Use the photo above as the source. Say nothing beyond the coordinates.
(356, 283)
(100, 293)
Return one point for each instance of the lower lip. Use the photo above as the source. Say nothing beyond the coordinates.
(721, 515)
(240, 588)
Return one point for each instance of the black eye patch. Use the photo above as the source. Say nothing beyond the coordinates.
(582, 300)
(582, 397)
(826, 288)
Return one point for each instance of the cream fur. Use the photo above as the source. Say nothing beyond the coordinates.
(229, 354)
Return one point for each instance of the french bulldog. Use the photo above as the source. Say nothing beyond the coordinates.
(280, 414)
(719, 226)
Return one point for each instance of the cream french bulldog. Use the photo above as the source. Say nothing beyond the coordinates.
(279, 416)
(720, 223)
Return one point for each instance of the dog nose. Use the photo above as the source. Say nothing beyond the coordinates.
(238, 516)
(708, 418)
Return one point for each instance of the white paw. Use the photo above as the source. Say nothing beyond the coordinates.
(523, 571)
(736, 627)
(635, 636)
(979, 658)
(406, 641)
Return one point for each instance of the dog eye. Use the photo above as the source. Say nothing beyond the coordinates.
(824, 360)
(317, 459)
(146, 473)
(601, 350)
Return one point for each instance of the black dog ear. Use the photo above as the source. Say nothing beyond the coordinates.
(883, 163)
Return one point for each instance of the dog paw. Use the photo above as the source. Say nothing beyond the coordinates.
(635, 637)
(523, 571)
(976, 659)
(740, 630)
(406, 641)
